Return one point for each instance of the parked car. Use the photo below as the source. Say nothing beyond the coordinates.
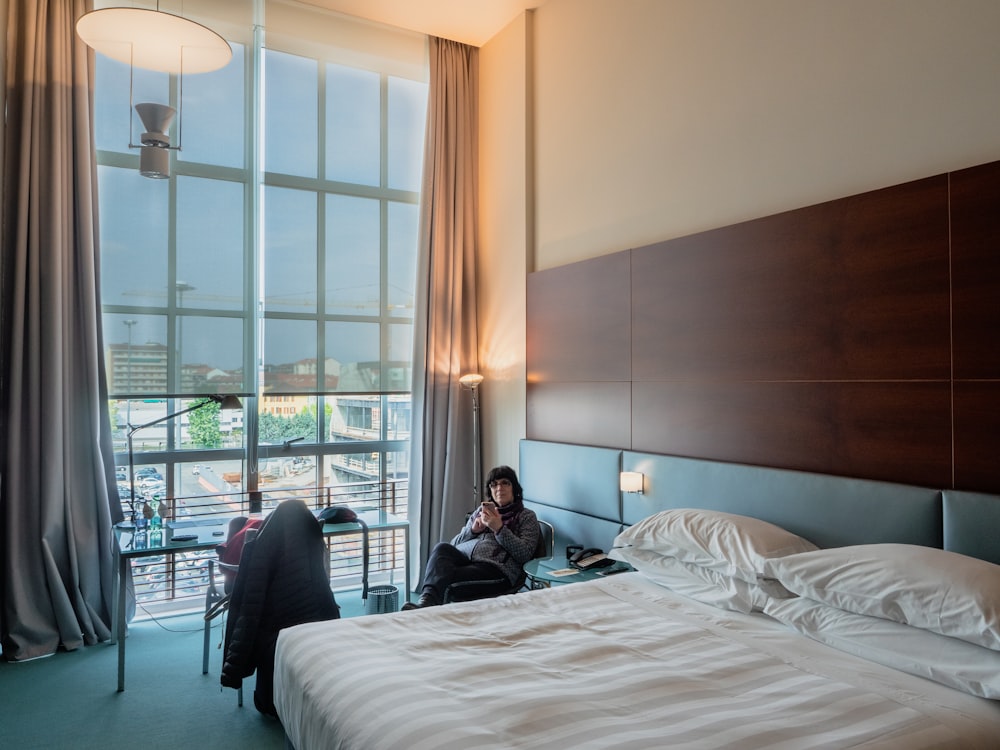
(149, 483)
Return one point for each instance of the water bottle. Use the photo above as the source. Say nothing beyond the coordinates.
(155, 530)
(139, 540)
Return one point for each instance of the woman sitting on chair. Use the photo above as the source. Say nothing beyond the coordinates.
(499, 537)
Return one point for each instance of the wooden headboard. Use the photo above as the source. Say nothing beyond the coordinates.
(576, 489)
(858, 337)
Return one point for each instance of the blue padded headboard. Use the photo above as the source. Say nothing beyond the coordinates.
(575, 488)
(827, 510)
(972, 524)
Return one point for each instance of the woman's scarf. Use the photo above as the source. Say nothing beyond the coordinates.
(510, 512)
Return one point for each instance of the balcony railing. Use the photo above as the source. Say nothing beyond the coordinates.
(178, 582)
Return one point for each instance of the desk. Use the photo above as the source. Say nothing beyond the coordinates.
(540, 571)
(377, 520)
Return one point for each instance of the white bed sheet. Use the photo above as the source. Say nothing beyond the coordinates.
(617, 663)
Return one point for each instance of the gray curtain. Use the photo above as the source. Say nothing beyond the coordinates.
(445, 339)
(56, 456)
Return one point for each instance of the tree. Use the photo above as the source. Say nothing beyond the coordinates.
(203, 427)
(270, 428)
(303, 424)
(275, 429)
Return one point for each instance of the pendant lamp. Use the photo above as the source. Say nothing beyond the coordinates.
(160, 41)
(154, 40)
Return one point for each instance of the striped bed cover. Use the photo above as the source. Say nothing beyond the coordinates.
(616, 663)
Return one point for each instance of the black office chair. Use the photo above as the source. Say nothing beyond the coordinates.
(466, 591)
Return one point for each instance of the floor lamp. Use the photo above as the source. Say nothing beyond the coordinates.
(227, 403)
(472, 381)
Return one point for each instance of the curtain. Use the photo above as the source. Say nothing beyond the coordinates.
(57, 495)
(445, 339)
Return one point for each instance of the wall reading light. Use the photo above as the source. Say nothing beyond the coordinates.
(630, 481)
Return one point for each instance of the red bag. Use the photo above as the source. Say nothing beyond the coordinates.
(231, 550)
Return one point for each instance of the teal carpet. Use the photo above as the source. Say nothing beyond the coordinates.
(70, 700)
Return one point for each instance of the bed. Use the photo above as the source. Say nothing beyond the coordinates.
(735, 630)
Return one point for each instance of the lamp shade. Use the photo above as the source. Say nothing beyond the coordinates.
(154, 40)
(154, 162)
(156, 118)
(630, 481)
(472, 380)
(229, 402)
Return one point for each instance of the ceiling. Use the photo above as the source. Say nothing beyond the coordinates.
(472, 22)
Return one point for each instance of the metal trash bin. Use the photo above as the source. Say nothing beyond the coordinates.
(382, 599)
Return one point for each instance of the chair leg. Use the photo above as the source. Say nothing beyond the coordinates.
(205, 647)
(211, 597)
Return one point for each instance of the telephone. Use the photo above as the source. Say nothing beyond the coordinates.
(590, 559)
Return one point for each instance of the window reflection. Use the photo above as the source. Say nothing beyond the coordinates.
(213, 114)
(407, 116)
(211, 358)
(289, 250)
(290, 363)
(402, 261)
(352, 125)
(210, 243)
(352, 255)
(134, 217)
(352, 357)
(290, 112)
(396, 371)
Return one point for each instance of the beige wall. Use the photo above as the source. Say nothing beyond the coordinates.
(655, 119)
(660, 118)
(504, 246)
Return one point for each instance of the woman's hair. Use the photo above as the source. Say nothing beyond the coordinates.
(503, 472)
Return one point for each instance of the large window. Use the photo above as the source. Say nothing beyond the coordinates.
(277, 262)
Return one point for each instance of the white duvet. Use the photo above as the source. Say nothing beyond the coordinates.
(617, 663)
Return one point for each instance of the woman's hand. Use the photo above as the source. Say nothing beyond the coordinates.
(489, 515)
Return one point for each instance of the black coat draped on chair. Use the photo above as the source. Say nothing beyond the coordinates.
(282, 581)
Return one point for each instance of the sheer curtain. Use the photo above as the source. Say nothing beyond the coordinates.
(56, 458)
(445, 339)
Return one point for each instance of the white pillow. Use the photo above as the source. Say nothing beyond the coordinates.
(702, 584)
(730, 544)
(923, 587)
(950, 661)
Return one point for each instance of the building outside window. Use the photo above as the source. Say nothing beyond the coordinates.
(277, 262)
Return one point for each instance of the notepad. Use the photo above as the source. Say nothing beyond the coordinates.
(564, 572)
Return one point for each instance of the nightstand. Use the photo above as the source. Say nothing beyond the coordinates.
(541, 572)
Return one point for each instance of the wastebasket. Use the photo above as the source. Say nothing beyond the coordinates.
(382, 599)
